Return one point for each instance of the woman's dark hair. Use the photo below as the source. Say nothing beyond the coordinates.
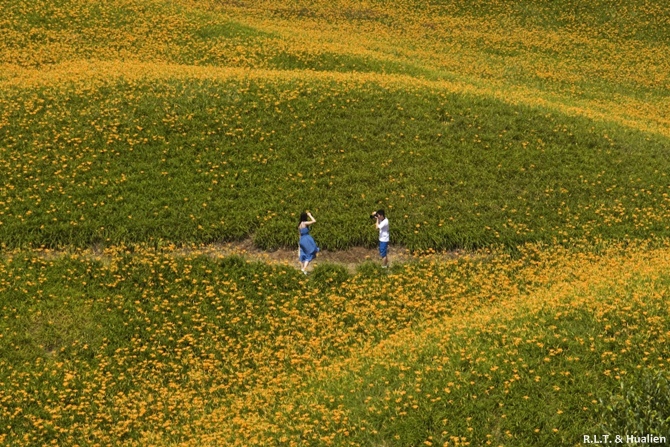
(381, 213)
(303, 218)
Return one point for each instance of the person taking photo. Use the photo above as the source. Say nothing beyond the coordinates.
(382, 224)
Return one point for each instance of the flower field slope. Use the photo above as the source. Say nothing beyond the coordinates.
(473, 123)
(149, 348)
(532, 134)
(203, 159)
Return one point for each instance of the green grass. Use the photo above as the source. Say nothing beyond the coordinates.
(157, 348)
(185, 160)
(517, 346)
(212, 160)
(620, 19)
(539, 378)
(114, 325)
(639, 406)
(183, 35)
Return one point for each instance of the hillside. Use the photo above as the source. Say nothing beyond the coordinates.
(152, 348)
(160, 121)
(520, 149)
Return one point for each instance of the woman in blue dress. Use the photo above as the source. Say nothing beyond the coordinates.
(308, 248)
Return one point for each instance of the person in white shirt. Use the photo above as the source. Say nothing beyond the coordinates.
(382, 224)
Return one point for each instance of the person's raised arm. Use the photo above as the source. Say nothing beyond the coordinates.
(311, 219)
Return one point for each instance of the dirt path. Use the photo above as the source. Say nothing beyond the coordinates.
(350, 258)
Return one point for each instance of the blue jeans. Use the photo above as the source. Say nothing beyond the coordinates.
(383, 249)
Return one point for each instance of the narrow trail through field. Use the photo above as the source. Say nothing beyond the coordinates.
(350, 258)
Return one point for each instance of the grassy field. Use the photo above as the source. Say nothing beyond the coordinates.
(188, 147)
(229, 157)
(157, 349)
(532, 134)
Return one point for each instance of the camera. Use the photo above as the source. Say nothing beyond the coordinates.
(373, 215)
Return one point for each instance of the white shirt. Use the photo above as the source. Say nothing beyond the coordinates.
(383, 230)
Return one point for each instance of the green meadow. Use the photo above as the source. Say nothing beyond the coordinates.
(149, 348)
(220, 160)
(520, 150)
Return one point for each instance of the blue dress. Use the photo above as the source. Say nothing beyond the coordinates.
(308, 248)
